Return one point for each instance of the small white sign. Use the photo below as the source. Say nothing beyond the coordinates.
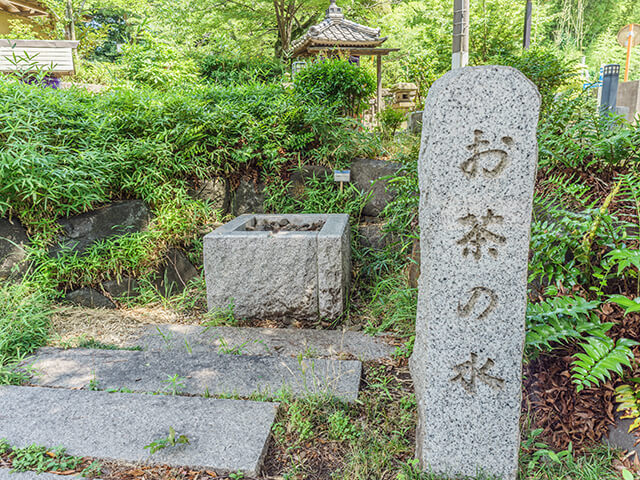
(342, 175)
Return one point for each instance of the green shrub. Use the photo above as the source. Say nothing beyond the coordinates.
(572, 134)
(68, 151)
(321, 195)
(63, 152)
(336, 82)
(401, 213)
(390, 120)
(547, 67)
(150, 62)
(24, 321)
(226, 69)
(561, 255)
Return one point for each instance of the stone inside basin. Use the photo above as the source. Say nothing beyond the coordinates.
(282, 224)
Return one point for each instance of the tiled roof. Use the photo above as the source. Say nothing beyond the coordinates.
(27, 8)
(335, 30)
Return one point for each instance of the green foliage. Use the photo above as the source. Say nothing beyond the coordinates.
(628, 399)
(390, 120)
(401, 212)
(225, 69)
(320, 195)
(545, 66)
(335, 82)
(27, 68)
(39, 459)
(393, 305)
(65, 152)
(221, 317)
(91, 38)
(175, 384)
(147, 144)
(542, 453)
(21, 29)
(630, 306)
(341, 427)
(627, 262)
(574, 135)
(539, 462)
(572, 235)
(156, 64)
(602, 356)
(170, 440)
(419, 68)
(98, 345)
(24, 320)
(558, 320)
(596, 464)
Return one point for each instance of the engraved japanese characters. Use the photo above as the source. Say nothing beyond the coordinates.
(477, 168)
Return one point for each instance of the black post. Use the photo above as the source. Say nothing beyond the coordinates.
(610, 77)
(526, 41)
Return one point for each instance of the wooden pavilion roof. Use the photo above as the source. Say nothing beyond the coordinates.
(336, 32)
(27, 8)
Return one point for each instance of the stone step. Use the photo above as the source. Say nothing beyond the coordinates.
(619, 436)
(265, 341)
(224, 435)
(197, 373)
(7, 474)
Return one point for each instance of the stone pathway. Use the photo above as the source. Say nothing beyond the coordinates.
(224, 435)
(265, 341)
(619, 436)
(61, 408)
(194, 373)
(7, 474)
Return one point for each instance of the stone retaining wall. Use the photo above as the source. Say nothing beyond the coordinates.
(131, 216)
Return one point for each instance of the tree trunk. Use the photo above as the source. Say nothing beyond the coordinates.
(285, 11)
(70, 22)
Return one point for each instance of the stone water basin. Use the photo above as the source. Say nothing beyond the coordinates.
(295, 266)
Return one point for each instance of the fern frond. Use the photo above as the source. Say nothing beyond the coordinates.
(602, 356)
(628, 398)
(560, 319)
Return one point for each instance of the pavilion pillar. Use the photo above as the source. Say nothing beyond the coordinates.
(379, 86)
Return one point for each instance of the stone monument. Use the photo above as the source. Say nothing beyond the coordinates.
(476, 170)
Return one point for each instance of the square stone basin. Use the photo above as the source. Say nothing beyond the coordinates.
(295, 266)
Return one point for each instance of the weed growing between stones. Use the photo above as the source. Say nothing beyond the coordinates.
(98, 345)
(175, 384)
(171, 440)
(226, 349)
(223, 317)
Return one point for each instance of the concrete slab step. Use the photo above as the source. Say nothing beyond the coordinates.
(289, 342)
(7, 474)
(619, 436)
(197, 373)
(224, 435)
